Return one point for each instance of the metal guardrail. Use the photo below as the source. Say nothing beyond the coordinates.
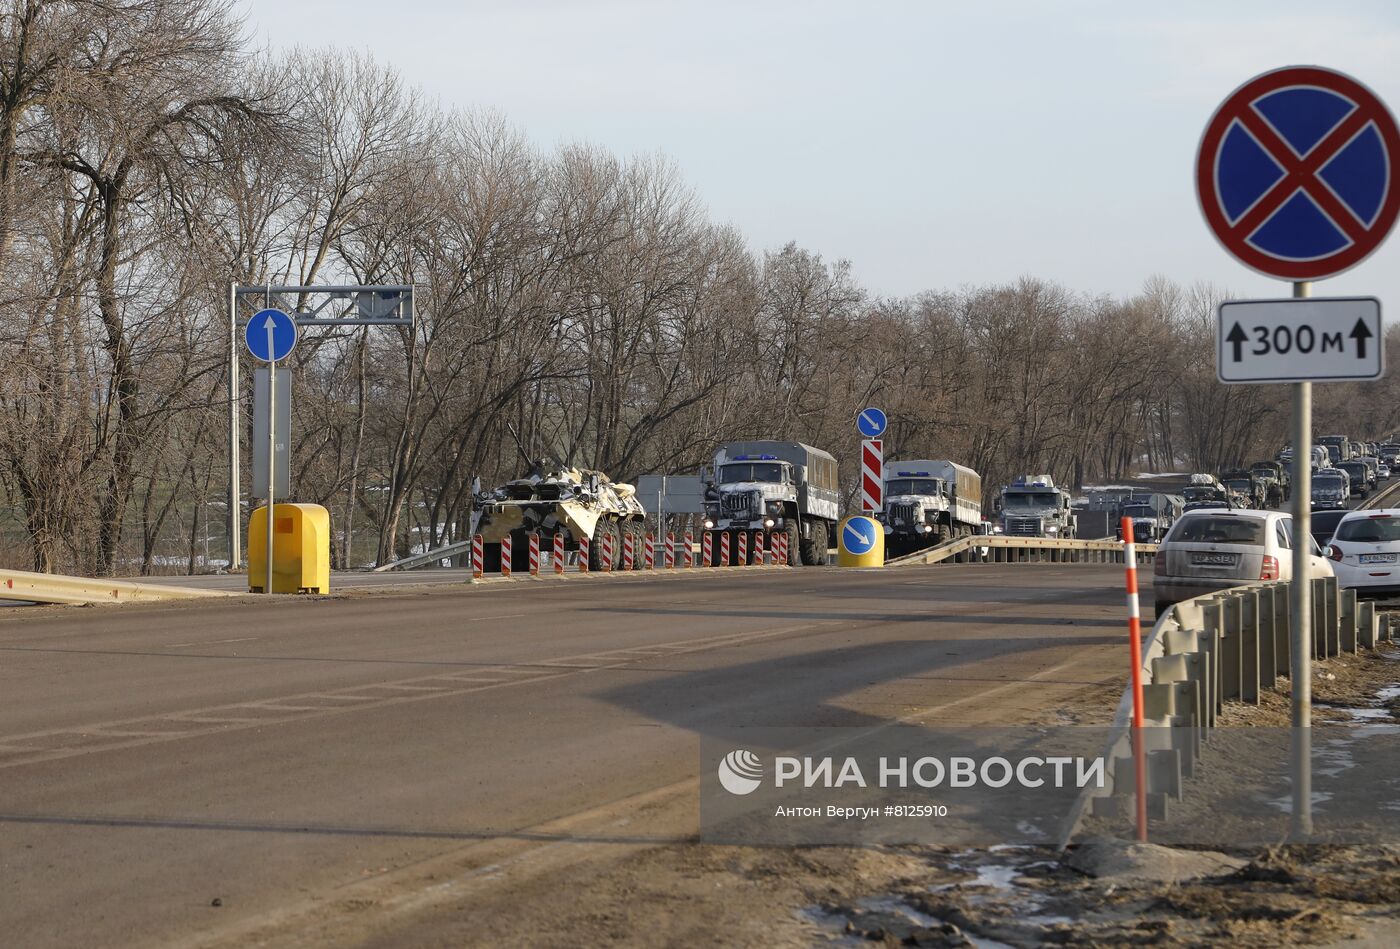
(79, 591)
(1201, 653)
(997, 548)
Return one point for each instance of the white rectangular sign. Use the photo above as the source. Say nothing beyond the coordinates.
(1300, 340)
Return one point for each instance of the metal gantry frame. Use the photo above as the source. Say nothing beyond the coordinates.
(341, 305)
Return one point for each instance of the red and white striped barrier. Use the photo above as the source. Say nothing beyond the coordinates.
(505, 556)
(688, 551)
(760, 552)
(743, 548)
(670, 551)
(557, 560)
(607, 552)
(707, 550)
(872, 475)
(478, 557)
(724, 549)
(534, 554)
(649, 552)
(583, 544)
(782, 549)
(628, 554)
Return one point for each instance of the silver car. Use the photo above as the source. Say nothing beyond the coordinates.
(1212, 550)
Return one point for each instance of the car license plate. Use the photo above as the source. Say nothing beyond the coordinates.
(1212, 560)
(1378, 558)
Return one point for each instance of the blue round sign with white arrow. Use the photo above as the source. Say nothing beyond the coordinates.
(271, 335)
(859, 534)
(872, 422)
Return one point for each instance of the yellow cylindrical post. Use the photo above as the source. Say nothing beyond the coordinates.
(860, 542)
(301, 537)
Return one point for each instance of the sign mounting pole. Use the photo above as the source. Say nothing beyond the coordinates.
(270, 526)
(1300, 603)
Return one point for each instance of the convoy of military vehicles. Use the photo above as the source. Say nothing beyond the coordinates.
(791, 490)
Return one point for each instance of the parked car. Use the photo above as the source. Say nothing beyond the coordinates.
(1207, 551)
(1365, 551)
(1323, 524)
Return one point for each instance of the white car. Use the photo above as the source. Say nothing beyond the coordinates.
(1210, 550)
(1365, 551)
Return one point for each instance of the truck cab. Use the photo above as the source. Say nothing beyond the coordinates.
(772, 487)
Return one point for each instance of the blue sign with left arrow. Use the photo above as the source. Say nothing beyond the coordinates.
(859, 534)
(271, 335)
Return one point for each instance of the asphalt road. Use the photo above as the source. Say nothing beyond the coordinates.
(279, 757)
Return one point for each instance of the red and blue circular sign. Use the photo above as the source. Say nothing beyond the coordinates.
(1295, 173)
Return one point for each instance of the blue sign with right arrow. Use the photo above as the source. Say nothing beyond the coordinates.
(872, 422)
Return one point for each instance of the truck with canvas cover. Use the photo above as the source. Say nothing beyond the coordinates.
(928, 503)
(773, 487)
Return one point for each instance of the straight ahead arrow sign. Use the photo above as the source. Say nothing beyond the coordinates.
(1236, 339)
(1360, 332)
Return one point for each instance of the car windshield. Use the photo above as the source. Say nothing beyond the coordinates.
(766, 471)
(911, 486)
(1375, 529)
(1214, 529)
(1239, 484)
(1026, 501)
(1354, 468)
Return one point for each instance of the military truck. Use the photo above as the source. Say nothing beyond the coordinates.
(928, 503)
(1245, 484)
(777, 488)
(552, 499)
(1032, 506)
(1152, 515)
(1277, 487)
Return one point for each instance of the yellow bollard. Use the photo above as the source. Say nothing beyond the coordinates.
(301, 555)
(860, 542)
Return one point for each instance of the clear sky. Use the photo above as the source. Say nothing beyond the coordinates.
(933, 144)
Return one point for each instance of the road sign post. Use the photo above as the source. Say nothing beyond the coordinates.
(1293, 179)
(271, 336)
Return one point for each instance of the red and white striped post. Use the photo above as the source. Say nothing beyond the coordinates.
(583, 544)
(628, 554)
(743, 548)
(670, 551)
(1135, 650)
(558, 558)
(760, 548)
(782, 549)
(724, 549)
(505, 556)
(688, 551)
(649, 552)
(534, 554)
(707, 550)
(607, 552)
(872, 475)
(478, 557)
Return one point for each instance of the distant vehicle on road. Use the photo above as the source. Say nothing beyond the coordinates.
(1274, 475)
(1383, 471)
(929, 502)
(1365, 551)
(1032, 506)
(1331, 487)
(1209, 551)
(1247, 486)
(1360, 474)
(1339, 448)
(778, 488)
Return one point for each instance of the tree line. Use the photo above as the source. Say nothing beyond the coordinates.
(571, 304)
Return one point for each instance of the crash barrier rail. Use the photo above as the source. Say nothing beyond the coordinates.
(654, 553)
(29, 587)
(1202, 653)
(997, 548)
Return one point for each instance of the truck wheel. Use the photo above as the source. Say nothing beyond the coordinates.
(595, 546)
(793, 545)
(637, 532)
(814, 548)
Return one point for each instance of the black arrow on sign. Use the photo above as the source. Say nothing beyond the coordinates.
(1360, 332)
(1236, 338)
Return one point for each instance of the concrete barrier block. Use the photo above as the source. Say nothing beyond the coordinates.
(1249, 646)
(1268, 640)
(1231, 651)
(1347, 621)
(1283, 631)
(1159, 700)
(1367, 624)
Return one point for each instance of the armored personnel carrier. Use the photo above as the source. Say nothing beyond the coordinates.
(553, 499)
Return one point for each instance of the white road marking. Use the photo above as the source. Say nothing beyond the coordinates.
(211, 642)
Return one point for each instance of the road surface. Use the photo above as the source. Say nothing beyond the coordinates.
(320, 771)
